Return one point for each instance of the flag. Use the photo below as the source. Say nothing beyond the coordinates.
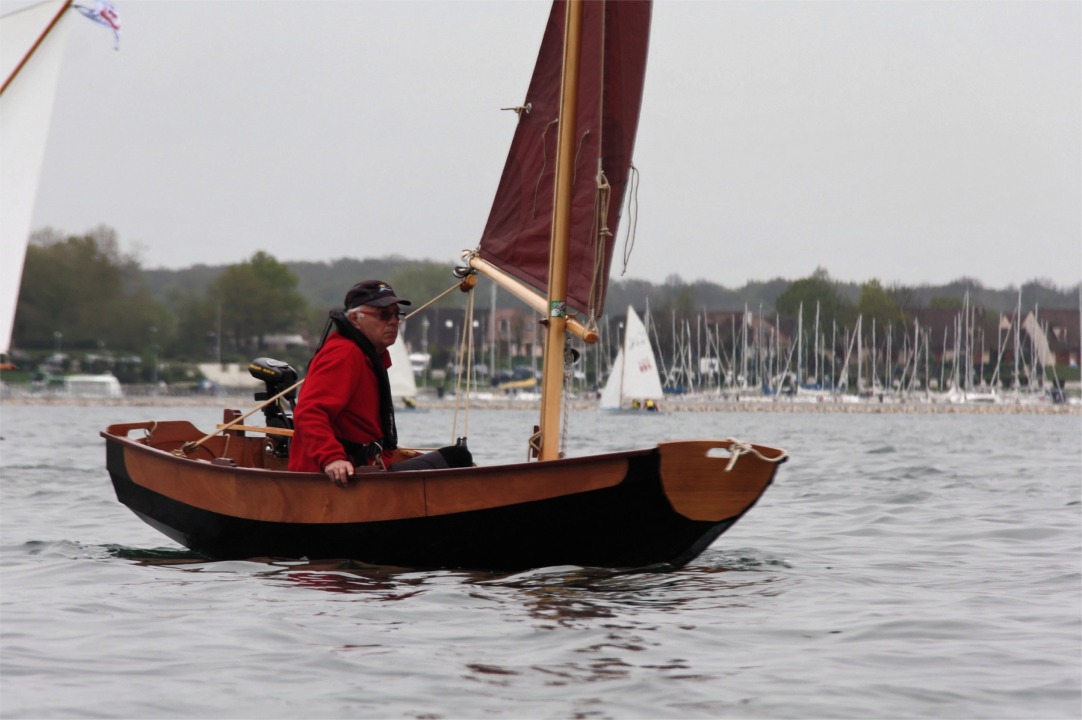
(104, 13)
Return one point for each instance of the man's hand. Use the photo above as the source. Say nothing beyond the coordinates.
(339, 472)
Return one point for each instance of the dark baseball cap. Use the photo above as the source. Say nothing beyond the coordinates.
(372, 292)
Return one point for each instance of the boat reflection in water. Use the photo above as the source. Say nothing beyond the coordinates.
(557, 594)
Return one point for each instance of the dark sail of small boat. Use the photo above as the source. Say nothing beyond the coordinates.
(516, 237)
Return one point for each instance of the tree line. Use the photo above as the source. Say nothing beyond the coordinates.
(82, 293)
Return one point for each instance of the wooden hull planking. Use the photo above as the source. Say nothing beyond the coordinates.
(654, 507)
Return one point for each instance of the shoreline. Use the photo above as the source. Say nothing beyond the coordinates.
(715, 405)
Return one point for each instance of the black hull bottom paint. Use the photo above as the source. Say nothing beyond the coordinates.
(631, 525)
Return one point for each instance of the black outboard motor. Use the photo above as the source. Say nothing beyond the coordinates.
(277, 376)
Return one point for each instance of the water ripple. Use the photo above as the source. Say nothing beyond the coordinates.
(934, 575)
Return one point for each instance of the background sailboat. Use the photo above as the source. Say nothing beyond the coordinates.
(30, 58)
(31, 53)
(403, 381)
(634, 374)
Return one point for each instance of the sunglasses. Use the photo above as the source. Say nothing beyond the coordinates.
(385, 314)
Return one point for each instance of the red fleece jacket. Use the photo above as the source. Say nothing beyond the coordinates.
(339, 399)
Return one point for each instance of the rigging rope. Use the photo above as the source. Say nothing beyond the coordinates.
(632, 215)
(604, 190)
(544, 164)
(578, 151)
(600, 232)
(433, 301)
(466, 342)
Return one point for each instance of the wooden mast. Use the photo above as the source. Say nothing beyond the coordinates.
(555, 336)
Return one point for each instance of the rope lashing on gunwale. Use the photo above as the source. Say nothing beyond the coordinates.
(739, 448)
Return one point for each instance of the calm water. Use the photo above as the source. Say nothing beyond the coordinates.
(901, 566)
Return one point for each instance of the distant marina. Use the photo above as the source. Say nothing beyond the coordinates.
(825, 403)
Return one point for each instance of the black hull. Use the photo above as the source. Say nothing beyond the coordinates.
(630, 525)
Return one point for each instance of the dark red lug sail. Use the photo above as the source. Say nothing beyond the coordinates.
(518, 233)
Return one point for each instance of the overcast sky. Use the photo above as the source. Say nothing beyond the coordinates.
(913, 142)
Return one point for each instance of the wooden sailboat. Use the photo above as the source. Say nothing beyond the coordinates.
(229, 496)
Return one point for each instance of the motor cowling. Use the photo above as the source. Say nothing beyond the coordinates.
(277, 377)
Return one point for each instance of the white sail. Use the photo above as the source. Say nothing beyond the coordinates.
(403, 384)
(634, 375)
(31, 49)
(611, 396)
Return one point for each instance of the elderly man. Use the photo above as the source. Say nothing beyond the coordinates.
(345, 414)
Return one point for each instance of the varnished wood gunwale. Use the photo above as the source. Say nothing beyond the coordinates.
(282, 496)
(622, 510)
